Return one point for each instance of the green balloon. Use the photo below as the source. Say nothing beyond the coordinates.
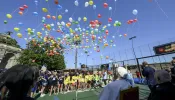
(5, 22)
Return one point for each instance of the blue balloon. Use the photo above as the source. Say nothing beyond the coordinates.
(59, 7)
(36, 2)
(35, 13)
(94, 6)
(20, 23)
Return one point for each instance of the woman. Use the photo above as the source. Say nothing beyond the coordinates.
(164, 89)
(112, 90)
(18, 80)
(53, 83)
(61, 81)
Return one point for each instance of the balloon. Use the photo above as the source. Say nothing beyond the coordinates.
(36, 2)
(29, 30)
(109, 19)
(125, 35)
(135, 20)
(5, 22)
(48, 16)
(135, 12)
(86, 4)
(59, 17)
(35, 13)
(56, 2)
(85, 19)
(99, 15)
(20, 12)
(113, 36)
(76, 3)
(53, 17)
(66, 11)
(20, 23)
(105, 5)
(25, 6)
(59, 7)
(16, 29)
(44, 10)
(91, 2)
(120, 35)
(70, 19)
(94, 7)
(109, 25)
(79, 18)
(43, 18)
(118, 23)
(9, 16)
(19, 35)
(21, 8)
(62, 23)
(110, 8)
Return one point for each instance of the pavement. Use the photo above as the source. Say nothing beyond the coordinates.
(90, 95)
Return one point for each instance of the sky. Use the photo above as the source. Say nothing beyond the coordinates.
(156, 20)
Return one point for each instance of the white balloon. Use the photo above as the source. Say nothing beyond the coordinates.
(66, 10)
(113, 36)
(76, 3)
(86, 4)
(58, 23)
(84, 29)
(52, 24)
(63, 23)
(109, 25)
(135, 12)
(94, 6)
(96, 30)
(44, 18)
(25, 39)
(116, 21)
(110, 8)
(76, 29)
(70, 19)
(79, 18)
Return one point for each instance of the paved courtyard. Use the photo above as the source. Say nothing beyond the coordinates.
(90, 95)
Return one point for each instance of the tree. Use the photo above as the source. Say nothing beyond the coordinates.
(39, 54)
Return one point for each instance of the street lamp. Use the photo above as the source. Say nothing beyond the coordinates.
(132, 39)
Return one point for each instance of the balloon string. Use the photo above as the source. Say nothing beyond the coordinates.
(14, 11)
(74, 12)
(25, 12)
(49, 8)
(115, 7)
(161, 8)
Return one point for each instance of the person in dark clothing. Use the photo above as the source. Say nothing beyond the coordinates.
(18, 80)
(164, 89)
(148, 72)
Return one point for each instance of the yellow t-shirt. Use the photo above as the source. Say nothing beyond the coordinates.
(86, 78)
(66, 81)
(90, 77)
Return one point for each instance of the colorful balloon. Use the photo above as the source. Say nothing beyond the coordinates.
(76, 3)
(91, 2)
(21, 8)
(110, 8)
(135, 12)
(19, 35)
(105, 5)
(16, 29)
(35, 13)
(44, 10)
(20, 12)
(59, 17)
(86, 4)
(109, 19)
(56, 2)
(70, 19)
(48, 16)
(85, 19)
(66, 11)
(99, 15)
(94, 7)
(59, 7)
(5, 22)
(53, 17)
(9, 16)
(25, 6)
(79, 18)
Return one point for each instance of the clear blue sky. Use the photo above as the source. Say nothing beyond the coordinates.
(152, 24)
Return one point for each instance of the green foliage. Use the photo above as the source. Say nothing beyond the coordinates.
(36, 54)
(9, 41)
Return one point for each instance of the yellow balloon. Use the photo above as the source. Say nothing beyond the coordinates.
(60, 17)
(115, 24)
(85, 19)
(91, 3)
(48, 26)
(9, 16)
(44, 9)
(16, 29)
(29, 30)
(19, 35)
(39, 33)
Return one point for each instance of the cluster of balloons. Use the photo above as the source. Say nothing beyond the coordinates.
(131, 21)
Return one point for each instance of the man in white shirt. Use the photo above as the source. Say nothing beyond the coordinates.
(105, 77)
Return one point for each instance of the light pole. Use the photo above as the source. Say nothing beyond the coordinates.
(132, 39)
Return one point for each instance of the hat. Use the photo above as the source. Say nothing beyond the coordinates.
(162, 76)
(122, 71)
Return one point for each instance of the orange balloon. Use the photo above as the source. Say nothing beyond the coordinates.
(53, 17)
(125, 35)
(56, 2)
(20, 12)
(69, 24)
(48, 16)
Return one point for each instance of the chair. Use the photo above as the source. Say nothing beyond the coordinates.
(130, 94)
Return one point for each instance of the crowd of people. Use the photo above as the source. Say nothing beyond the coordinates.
(21, 82)
(59, 82)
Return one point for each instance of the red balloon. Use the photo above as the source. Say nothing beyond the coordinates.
(25, 6)
(56, 2)
(98, 50)
(107, 31)
(99, 15)
(135, 20)
(109, 19)
(128, 22)
(21, 8)
(92, 22)
(131, 21)
(105, 5)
